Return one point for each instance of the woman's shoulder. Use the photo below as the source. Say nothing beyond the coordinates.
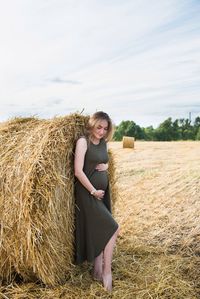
(82, 136)
(82, 139)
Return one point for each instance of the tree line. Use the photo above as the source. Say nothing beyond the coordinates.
(168, 130)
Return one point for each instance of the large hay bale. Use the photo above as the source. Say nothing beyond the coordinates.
(128, 142)
(37, 197)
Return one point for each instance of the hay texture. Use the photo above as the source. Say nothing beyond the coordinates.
(37, 197)
(128, 142)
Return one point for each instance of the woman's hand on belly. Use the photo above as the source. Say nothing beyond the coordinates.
(102, 167)
(99, 194)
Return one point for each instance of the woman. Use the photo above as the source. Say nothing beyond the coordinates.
(96, 230)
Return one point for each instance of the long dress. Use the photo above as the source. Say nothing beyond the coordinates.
(94, 224)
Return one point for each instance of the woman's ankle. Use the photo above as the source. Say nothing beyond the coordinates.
(107, 271)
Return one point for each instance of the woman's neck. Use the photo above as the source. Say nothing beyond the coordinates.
(95, 140)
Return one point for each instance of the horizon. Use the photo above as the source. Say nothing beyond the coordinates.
(115, 124)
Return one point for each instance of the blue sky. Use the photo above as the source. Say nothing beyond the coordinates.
(136, 60)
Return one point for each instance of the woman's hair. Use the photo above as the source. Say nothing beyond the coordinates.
(97, 116)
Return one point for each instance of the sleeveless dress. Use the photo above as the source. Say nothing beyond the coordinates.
(94, 224)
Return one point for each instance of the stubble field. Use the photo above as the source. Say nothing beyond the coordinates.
(158, 251)
(158, 211)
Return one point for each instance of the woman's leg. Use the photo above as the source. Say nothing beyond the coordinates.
(98, 267)
(107, 256)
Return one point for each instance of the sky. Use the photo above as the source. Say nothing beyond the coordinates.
(134, 59)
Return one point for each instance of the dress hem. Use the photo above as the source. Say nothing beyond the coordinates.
(90, 260)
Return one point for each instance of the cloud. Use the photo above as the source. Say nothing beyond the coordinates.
(59, 80)
(136, 60)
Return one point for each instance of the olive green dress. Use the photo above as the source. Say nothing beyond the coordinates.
(93, 220)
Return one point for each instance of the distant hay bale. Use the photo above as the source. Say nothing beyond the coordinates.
(128, 142)
(37, 197)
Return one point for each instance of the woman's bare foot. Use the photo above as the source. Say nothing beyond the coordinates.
(107, 281)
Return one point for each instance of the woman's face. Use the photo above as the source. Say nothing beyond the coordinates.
(100, 129)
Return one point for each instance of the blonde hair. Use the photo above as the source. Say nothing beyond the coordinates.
(93, 120)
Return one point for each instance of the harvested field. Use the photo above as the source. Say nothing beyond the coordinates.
(158, 250)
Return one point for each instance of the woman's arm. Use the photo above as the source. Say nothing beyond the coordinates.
(81, 148)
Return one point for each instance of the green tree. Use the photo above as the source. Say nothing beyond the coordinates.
(186, 129)
(180, 129)
(128, 128)
(165, 131)
(196, 125)
(198, 134)
(149, 133)
(176, 130)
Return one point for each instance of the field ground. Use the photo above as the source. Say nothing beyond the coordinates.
(158, 251)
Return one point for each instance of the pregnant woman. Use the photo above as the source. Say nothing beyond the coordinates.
(96, 230)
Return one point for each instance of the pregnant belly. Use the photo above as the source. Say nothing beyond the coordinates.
(99, 179)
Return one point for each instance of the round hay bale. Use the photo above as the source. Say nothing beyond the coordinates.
(37, 197)
(128, 142)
